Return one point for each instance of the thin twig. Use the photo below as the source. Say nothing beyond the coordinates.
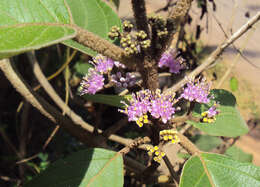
(214, 55)
(234, 46)
(231, 66)
(80, 131)
(171, 170)
(114, 128)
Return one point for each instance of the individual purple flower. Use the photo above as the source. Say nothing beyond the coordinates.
(212, 111)
(210, 115)
(103, 64)
(198, 92)
(162, 107)
(92, 82)
(138, 107)
(169, 59)
(120, 81)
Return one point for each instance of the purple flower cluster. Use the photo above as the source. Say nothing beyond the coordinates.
(92, 82)
(198, 92)
(120, 81)
(169, 59)
(142, 102)
(103, 64)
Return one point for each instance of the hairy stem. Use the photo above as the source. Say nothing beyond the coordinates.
(139, 10)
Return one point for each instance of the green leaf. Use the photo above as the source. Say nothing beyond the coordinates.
(81, 68)
(233, 83)
(32, 24)
(206, 142)
(91, 167)
(219, 170)
(183, 155)
(239, 155)
(112, 100)
(228, 123)
(94, 16)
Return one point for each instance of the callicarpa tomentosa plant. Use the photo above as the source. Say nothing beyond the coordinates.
(129, 60)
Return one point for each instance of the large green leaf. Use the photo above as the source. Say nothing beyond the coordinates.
(18, 31)
(219, 170)
(228, 123)
(239, 155)
(92, 15)
(112, 100)
(92, 168)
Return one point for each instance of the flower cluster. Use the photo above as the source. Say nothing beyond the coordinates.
(103, 64)
(156, 153)
(138, 107)
(169, 135)
(210, 115)
(92, 82)
(158, 105)
(120, 81)
(169, 59)
(198, 91)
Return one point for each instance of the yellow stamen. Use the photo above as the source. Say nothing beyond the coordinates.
(165, 138)
(210, 120)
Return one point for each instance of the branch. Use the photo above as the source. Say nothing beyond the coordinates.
(77, 130)
(171, 170)
(188, 145)
(75, 118)
(140, 15)
(180, 9)
(103, 46)
(215, 55)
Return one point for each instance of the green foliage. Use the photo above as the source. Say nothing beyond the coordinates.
(44, 161)
(222, 171)
(239, 155)
(26, 25)
(112, 100)
(94, 16)
(233, 83)
(17, 32)
(206, 142)
(81, 68)
(91, 167)
(228, 123)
